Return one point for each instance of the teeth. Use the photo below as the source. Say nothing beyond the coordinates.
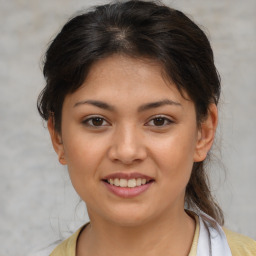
(131, 183)
(116, 182)
(124, 183)
(138, 182)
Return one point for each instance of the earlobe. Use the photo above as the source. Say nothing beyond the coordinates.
(56, 141)
(206, 134)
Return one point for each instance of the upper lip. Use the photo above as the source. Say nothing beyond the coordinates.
(128, 176)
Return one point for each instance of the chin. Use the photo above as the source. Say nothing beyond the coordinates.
(130, 216)
(130, 221)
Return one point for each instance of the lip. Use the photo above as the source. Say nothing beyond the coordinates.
(127, 176)
(126, 192)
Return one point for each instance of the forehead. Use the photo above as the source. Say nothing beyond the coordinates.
(120, 78)
(126, 72)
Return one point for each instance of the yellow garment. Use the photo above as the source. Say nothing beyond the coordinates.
(193, 248)
(240, 245)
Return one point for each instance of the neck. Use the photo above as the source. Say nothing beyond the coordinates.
(102, 238)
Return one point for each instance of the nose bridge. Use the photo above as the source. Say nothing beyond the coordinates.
(127, 144)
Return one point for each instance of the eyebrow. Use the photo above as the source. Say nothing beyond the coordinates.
(158, 104)
(97, 103)
(144, 107)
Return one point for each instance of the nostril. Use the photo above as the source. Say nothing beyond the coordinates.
(127, 153)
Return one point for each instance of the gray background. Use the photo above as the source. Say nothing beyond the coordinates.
(37, 202)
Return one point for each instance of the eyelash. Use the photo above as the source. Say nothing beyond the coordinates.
(88, 121)
(166, 120)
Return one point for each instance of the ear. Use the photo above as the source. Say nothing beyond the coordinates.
(206, 133)
(56, 141)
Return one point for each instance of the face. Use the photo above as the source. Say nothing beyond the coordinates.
(124, 127)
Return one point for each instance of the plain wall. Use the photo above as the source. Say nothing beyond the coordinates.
(37, 202)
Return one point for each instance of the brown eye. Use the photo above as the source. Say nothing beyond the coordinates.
(95, 122)
(159, 121)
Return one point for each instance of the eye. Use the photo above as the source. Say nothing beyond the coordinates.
(95, 121)
(159, 121)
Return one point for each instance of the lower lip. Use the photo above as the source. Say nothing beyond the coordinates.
(127, 192)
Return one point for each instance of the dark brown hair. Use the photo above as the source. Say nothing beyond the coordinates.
(138, 29)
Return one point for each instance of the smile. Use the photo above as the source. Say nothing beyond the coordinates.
(127, 185)
(124, 183)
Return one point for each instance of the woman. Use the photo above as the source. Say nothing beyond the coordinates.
(131, 103)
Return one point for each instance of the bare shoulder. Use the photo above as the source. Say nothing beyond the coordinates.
(240, 245)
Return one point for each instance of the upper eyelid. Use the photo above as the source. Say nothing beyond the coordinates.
(94, 116)
(148, 119)
(90, 117)
(160, 116)
(169, 119)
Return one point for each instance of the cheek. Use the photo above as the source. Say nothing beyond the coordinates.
(176, 149)
(174, 156)
(83, 155)
(81, 146)
(82, 160)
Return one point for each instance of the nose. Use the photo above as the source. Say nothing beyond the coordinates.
(127, 145)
